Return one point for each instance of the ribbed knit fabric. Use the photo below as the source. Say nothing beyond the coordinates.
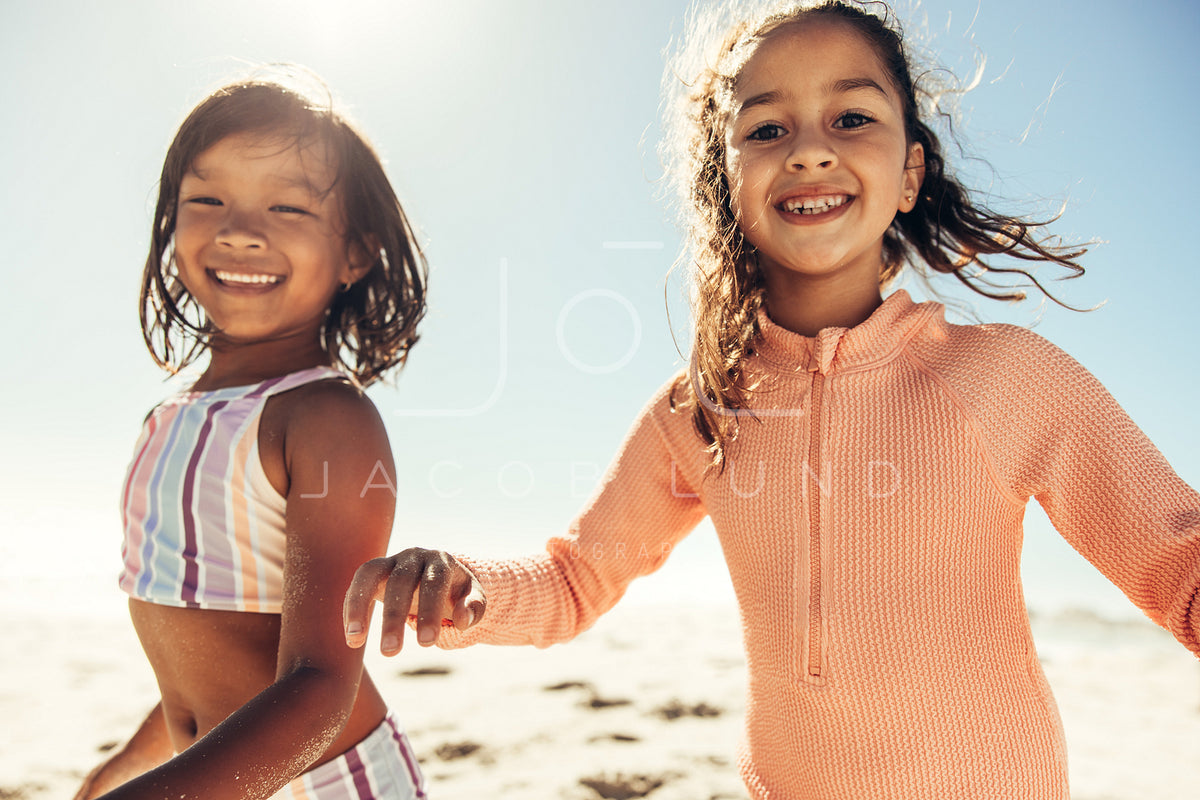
(871, 518)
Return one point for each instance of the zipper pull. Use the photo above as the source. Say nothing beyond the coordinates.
(824, 348)
(814, 363)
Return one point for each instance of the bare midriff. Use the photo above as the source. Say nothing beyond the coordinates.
(208, 664)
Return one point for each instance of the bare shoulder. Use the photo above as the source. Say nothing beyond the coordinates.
(332, 406)
(323, 422)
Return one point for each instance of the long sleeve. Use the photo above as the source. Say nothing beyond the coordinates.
(1059, 436)
(871, 521)
(643, 507)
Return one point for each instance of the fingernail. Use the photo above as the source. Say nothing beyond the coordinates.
(426, 635)
(470, 616)
(354, 629)
(390, 643)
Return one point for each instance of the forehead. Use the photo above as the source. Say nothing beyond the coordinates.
(272, 157)
(809, 54)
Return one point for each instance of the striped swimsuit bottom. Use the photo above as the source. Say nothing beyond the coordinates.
(380, 767)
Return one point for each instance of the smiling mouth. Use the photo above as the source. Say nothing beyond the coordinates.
(245, 278)
(811, 206)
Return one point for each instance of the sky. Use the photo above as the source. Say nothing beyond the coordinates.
(521, 137)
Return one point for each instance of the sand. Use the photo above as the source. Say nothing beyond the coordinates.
(646, 704)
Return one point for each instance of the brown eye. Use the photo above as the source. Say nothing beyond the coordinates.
(765, 133)
(851, 120)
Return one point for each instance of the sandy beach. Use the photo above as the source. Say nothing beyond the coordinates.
(646, 704)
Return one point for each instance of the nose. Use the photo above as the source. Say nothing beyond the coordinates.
(241, 229)
(811, 151)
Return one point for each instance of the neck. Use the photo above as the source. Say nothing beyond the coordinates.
(241, 364)
(806, 305)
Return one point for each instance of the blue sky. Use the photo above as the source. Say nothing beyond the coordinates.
(521, 138)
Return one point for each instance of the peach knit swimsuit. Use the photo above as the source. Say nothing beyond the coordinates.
(871, 518)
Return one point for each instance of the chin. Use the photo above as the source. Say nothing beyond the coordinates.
(814, 268)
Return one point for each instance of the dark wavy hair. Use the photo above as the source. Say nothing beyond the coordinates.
(369, 328)
(947, 232)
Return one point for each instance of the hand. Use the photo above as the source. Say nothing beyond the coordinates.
(430, 584)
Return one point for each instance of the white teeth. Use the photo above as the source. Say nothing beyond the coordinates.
(815, 205)
(247, 278)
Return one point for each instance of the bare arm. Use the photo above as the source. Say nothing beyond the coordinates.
(335, 444)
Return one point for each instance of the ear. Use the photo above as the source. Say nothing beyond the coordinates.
(914, 177)
(360, 258)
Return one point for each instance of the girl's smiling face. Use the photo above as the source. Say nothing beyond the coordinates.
(259, 239)
(817, 157)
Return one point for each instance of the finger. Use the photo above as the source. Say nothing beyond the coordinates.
(397, 597)
(470, 608)
(365, 587)
(434, 599)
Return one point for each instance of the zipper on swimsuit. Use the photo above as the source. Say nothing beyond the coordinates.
(815, 577)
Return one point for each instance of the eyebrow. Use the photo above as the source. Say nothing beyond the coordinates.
(854, 84)
(764, 99)
(288, 182)
(840, 86)
(300, 183)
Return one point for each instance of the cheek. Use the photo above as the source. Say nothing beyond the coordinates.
(184, 246)
(191, 232)
(335, 256)
(895, 160)
(881, 167)
(326, 240)
(185, 267)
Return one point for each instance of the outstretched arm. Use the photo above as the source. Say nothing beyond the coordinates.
(334, 435)
(1110, 492)
(1057, 434)
(145, 750)
(645, 504)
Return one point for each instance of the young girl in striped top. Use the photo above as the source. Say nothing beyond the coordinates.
(279, 249)
(865, 463)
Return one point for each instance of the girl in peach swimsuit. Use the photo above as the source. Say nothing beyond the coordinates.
(865, 463)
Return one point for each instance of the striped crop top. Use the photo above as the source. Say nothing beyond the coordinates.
(204, 528)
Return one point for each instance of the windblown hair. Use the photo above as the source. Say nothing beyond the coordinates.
(369, 328)
(946, 232)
